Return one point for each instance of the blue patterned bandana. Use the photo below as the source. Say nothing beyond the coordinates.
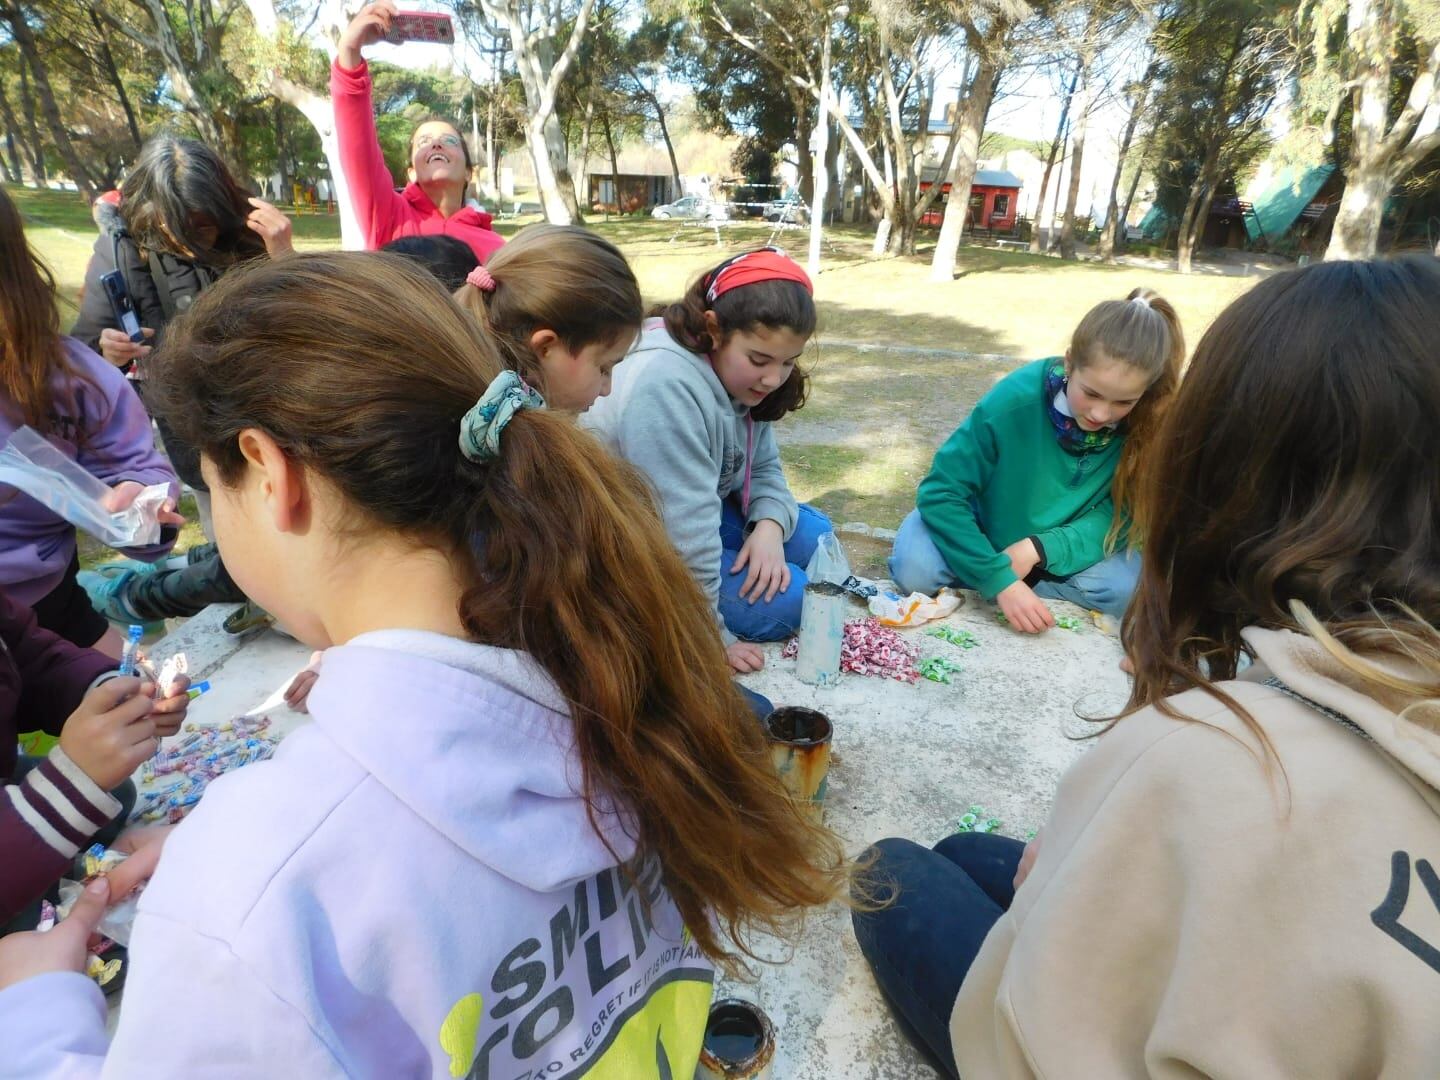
(480, 428)
(1072, 436)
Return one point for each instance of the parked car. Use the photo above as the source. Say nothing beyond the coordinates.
(789, 209)
(691, 208)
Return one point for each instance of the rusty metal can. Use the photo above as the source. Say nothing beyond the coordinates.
(739, 1043)
(800, 750)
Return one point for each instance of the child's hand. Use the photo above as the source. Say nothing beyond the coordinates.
(1027, 861)
(143, 843)
(273, 227)
(299, 690)
(111, 732)
(169, 712)
(764, 554)
(1026, 611)
(368, 27)
(1023, 557)
(123, 494)
(744, 657)
(116, 346)
(63, 948)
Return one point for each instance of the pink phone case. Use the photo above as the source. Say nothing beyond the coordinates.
(431, 27)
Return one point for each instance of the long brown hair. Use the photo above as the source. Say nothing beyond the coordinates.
(1298, 484)
(31, 353)
(776, 305)
(1143, 331)
(563, 552)
(563, 278)
(175, 186)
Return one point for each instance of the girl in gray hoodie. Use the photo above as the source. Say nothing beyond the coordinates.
(692, 407)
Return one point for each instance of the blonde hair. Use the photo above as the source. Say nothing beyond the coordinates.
(1142, 331)
(563, 278)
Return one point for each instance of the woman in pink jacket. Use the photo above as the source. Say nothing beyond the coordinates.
(434, 200)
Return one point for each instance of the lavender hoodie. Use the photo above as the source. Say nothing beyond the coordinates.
(410, 888)
(109, 434)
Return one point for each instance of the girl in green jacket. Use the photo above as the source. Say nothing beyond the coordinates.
(1033, 495)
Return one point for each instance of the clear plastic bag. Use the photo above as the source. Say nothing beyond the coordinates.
(29, 462)
(829, 562)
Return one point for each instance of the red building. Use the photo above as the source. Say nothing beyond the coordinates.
(994, 196)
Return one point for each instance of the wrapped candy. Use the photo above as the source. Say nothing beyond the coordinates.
(938, 669)
(977, 820)
(871, 649)
(955, 636)
(1067, 622)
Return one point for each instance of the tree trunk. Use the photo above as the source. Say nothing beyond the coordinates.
(32, 128)
(804, 162)
(25, 39)
(820, 176)
(836, 198)
(1114, 226)
(1356, 234)
(664, 134)
(973, 111)
(1077, 163)
(1192, 222)
(113, 71)
(614, 163)
(12, 137)
(586, 130)
(1055, 145)
(1122, 239)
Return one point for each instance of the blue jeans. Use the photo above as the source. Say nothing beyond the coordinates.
(766, 620)
(921, 946)
(916, 565)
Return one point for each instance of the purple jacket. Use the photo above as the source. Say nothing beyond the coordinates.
(412, 887)
(47, 817)
(110, 435)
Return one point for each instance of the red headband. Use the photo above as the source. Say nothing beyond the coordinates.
(767, 264)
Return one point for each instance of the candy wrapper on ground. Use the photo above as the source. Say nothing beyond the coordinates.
(892, 609)
(938, 669)
(977, 820)
(964, 638)
(872, 649)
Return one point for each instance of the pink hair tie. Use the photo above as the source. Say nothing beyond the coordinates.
(481, 279)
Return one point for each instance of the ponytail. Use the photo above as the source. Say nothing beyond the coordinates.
(559, 545)
(1143, 331)
(553, 277)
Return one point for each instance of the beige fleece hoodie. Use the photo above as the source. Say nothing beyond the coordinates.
(1189, 916)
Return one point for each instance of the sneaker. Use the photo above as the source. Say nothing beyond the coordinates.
(248, 618)
(107, 586)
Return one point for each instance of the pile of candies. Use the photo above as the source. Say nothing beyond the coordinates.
(977, 820)
(1067, 622)
(938, 669)
(177, 777)
(964, 638)
(871, 649)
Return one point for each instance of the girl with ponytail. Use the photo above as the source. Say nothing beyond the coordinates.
(563, 307)
(1034, 495)
(531, 806)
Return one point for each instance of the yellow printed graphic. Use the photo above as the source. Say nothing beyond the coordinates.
(457, 1033)
(671, 1024)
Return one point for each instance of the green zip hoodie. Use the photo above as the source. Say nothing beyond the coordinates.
(1004, 476)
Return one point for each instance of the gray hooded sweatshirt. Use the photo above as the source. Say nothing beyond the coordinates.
(668, 415)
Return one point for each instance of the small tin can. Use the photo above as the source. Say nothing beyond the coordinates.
(739, 1043)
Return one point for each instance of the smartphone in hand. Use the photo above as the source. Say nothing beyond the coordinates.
(114, 285)
(430, 27)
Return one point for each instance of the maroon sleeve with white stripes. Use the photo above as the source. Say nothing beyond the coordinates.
(45, 820)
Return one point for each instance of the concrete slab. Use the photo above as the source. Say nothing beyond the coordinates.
(907, 761)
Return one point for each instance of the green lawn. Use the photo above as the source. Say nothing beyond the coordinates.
(864, 441)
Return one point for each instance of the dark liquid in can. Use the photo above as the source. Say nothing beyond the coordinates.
(733, 1034)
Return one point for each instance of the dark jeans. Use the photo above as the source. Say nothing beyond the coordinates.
(170, 594)
(921, 946)
(30, 915)
(66, 610)
(759, 703)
